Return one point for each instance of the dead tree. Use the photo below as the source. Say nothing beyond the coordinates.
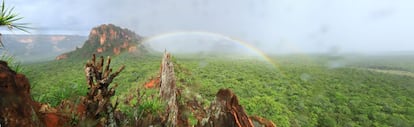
(168, 90)
(99, 77)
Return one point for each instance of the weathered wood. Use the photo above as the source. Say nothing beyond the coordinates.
(168, 90)
(98, 102)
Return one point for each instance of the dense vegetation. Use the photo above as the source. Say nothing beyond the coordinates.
(299, 91)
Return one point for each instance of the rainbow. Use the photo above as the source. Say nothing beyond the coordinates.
(228, 38)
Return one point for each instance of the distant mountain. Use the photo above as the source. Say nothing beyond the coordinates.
(107, 39)
(40, 47)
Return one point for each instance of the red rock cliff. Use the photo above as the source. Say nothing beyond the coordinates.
(107, 39)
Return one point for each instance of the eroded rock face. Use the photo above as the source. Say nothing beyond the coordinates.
(111, 39)
(107, 39)
(61, 57)
(17, 109)
(226, 111)
(16, 106)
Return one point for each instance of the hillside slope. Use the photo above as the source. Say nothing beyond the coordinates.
(41, 47)
(107, 39)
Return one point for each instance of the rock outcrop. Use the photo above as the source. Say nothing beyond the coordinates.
(61, 57)
(226, 111)
(16, 105)
(107, 39)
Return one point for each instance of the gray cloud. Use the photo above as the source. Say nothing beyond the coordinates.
(271, 25)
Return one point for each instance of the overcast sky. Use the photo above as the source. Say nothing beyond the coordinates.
(270, 25)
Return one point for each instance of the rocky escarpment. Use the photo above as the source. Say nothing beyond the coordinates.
(107, 39)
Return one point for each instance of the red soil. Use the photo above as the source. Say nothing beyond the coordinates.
(153, 83)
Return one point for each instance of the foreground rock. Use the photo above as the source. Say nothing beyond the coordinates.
(17, 109)
(226, 111)
(16, 105)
